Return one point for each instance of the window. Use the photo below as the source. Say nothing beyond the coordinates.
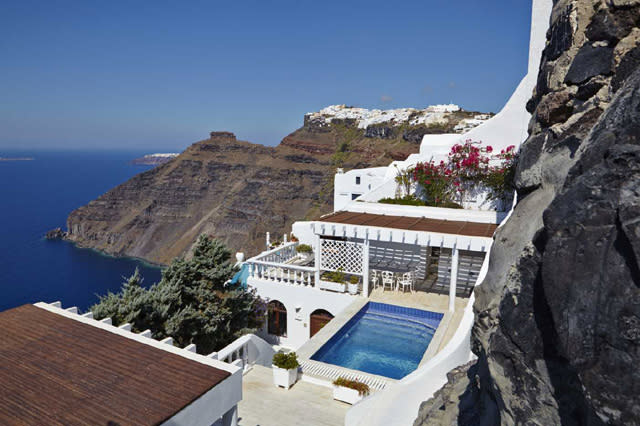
(354, 196)
(357, 180)
(277, 319)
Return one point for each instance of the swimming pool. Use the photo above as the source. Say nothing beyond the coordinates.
(382, 339)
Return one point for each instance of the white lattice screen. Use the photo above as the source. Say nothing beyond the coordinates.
(341, 254)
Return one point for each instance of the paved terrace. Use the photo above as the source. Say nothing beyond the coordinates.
(264, 404)
(312, 404)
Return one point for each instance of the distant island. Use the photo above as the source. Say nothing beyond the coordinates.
(154, 159)
(16, 158)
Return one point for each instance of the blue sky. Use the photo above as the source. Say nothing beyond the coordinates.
(160, 75)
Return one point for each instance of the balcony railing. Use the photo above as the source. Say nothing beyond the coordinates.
(282, 254)
(282, 273)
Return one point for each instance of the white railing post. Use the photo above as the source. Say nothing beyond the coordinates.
(453, 278)
(318, 259)
(365, 266)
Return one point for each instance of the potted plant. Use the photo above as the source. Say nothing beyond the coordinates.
(349, 391)
(285, 369)
(353, 284)
(334, 281)
(304, 251)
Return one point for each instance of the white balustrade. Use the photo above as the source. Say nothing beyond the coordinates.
(282, 254)
(282, 273)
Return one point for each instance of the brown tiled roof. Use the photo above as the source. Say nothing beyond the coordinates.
(55, 370)
(472, 229)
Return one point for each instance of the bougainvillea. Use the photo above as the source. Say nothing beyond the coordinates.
(468, 167)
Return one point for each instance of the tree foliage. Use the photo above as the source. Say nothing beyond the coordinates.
(192, 303)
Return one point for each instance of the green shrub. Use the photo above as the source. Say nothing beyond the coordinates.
(336, 277)
(354, 279)
(362, 388)
(408, 200)
(413, 201)
(304, 248)
(287, 361)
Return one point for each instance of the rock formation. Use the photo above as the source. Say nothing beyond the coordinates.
(234, 190)
(557, 330)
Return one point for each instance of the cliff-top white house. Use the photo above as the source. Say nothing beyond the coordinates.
(381, 293)
(409, 265)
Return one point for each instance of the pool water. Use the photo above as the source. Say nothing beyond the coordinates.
(382, 339)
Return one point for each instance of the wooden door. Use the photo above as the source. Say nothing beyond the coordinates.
(319, 318)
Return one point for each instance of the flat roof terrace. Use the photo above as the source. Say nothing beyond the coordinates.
(57, 370)
(423, 224)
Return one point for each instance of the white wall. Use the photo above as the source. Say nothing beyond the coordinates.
(211, 406)
(463, 215)
(308, 299)
(345, 184)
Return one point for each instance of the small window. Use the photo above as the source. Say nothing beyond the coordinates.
(357, 180)
(354, 196)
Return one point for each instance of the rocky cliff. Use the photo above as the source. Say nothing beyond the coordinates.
(557, 330)
(237, 191)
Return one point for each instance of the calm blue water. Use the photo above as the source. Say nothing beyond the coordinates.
(380, 342)
(37, 196)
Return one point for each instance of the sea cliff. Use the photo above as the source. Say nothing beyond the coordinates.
(557, 319)
(237, 191)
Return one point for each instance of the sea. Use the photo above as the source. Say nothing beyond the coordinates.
(38, 195)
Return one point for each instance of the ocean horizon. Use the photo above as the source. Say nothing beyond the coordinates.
(37, 196)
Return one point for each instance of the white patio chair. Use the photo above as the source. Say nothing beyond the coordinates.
(406, 281)
(387, 280)
(375, 279)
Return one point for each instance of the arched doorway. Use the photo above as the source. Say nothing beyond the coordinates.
(319, 318)
(277, 319)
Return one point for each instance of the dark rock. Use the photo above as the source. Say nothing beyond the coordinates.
(594, 293)
(589, 62)
(55, 234)
(628, 64)
(528, 178)
(380, 131)
(557, 318)
(554, 108)
(222, 135)
(414, 135)
(604, 27)
(560, 34)
(590, 88)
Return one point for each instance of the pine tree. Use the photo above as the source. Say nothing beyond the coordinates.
(192, 303)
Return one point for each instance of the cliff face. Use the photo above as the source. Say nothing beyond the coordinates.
(233, 190)
(557, 330)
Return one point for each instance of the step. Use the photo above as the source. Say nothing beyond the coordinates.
(330, 372)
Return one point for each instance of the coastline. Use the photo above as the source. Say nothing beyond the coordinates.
(79, 245)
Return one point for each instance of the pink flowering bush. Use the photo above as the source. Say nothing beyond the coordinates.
(468, 167)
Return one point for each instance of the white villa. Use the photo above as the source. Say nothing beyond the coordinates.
(401, 263)
(445, 251)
